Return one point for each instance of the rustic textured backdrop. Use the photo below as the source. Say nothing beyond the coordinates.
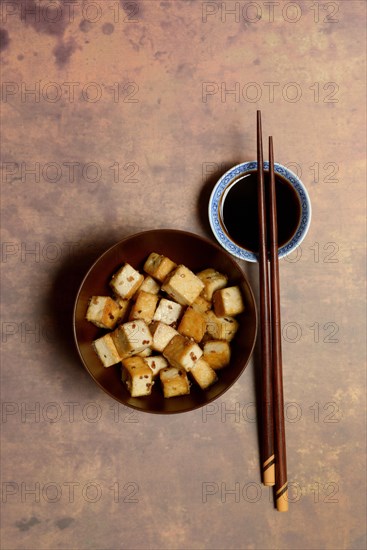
(118, 116)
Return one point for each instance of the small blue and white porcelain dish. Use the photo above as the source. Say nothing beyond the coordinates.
(230, 184)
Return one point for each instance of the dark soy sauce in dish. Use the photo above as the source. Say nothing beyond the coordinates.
(239, 210)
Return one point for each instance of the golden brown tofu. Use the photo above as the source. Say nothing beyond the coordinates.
(168, 312)
(213, 280)
(182, 353)
(106, 350)
(125, 306)
(162, 334)
(192, 325)
(156, 363)
(174, 382)
(201, 305)
(150, 285)
(131, 338)
(144, 306)
(126, 281)
(103, 312)
(217, 354)
(220, 328)
(137, 376)
(183, 286)
(158, 266)
(203, 374)
(228, 302)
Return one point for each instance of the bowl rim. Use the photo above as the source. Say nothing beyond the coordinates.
(234, 173)
(206, 241)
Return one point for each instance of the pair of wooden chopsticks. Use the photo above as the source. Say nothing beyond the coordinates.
(274, 460)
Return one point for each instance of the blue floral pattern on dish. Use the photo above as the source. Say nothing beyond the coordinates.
(233, 174)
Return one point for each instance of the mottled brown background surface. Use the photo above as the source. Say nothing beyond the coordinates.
(107, 478)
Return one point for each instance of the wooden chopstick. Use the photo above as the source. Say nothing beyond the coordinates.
(281, 483)
(267, 467)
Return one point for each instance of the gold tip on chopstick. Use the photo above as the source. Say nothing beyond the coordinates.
(269, 476)
(282, 502)
(269, 471)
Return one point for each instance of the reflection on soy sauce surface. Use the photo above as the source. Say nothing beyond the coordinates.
(240, 215)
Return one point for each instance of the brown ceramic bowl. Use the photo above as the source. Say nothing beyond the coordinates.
(196, 253)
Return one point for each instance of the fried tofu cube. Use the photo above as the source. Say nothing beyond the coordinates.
(150, 285)
(183, 286)
(203, 374)
(131, 338)
(158, 266)
(228, 302)
(137, 376)
(201, 305)
(174, 382)
(124, 309)
(162, 334)
(168, 312)
(181, 352)
(126, 281)
(144, 306)
(217, 353)
(147, 352)
(213, 280)
(221, 328)
(103, 312)
(156, 363)
(192, 325)
(106, 350)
